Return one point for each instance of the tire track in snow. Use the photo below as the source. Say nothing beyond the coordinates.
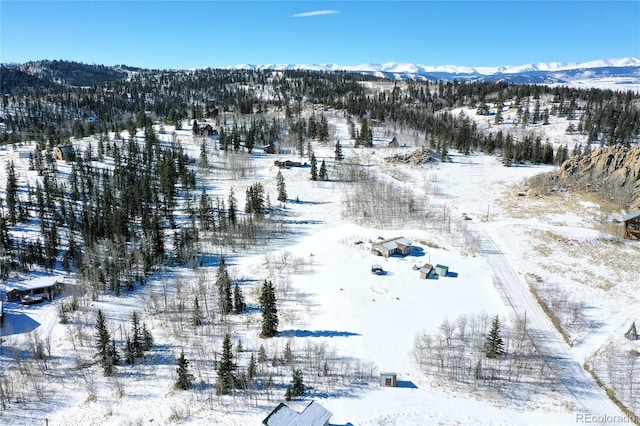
(545, 337)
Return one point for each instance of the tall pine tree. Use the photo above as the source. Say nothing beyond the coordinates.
(226, 368)
(323, 171)
(494, 346)
(269, 310)
(314, 167)
(338, 155)
(223, 282)
(185, 379)
(239, 304)
(282, 190)
(106, 348)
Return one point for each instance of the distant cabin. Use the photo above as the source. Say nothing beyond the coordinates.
(272, 148)
(313, 415)
(632, 225)
(388, 380)
(64, 153)
(394, 143)
(386, 248)
(287, 164)
(204, 129)
(36, 290)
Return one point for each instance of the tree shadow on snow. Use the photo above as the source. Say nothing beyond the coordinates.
(315, 333)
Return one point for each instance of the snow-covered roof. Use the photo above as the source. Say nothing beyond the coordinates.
(40, 282)
(314, 415)
(631, 215)
(393, 243)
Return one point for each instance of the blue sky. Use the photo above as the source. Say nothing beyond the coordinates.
(186, 34)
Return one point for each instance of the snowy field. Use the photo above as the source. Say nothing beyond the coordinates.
(329, 299)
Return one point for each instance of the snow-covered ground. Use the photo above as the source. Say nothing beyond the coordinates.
(328, 296)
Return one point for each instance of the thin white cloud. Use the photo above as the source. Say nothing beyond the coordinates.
(315, 13)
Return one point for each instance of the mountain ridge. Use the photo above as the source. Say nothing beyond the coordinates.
(409, 67)
(615, 73)
(622, 73)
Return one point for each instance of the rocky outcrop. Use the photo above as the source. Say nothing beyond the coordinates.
(417, 157)
(613, 170)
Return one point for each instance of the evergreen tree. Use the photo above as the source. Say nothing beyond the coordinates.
(507, 151)
(114, 354)
(366, 134)
(262, 355)
(251, 368)
(147, 338)
(323, 130)
(204, 159)
(185, 379)
(196, 316)
(296, 388)
(129, 352)
(288, 354)
(493, 347)
(269, 310)
(11, 197)
(231, 211)
(106, 351)
(338, 155)
(498, 117)
(239, 304)
(282, 191)
(137, 343)
(314, 167)
(226, 368)
(206, 215)
(323, 171)
(223, 282)
(288, 395)
(102, 334)
(255, 199)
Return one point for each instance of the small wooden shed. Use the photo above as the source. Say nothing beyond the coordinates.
(442, 270)
(388, 380)
(425, 270)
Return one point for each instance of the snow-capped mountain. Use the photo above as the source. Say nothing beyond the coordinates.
(622, 73)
